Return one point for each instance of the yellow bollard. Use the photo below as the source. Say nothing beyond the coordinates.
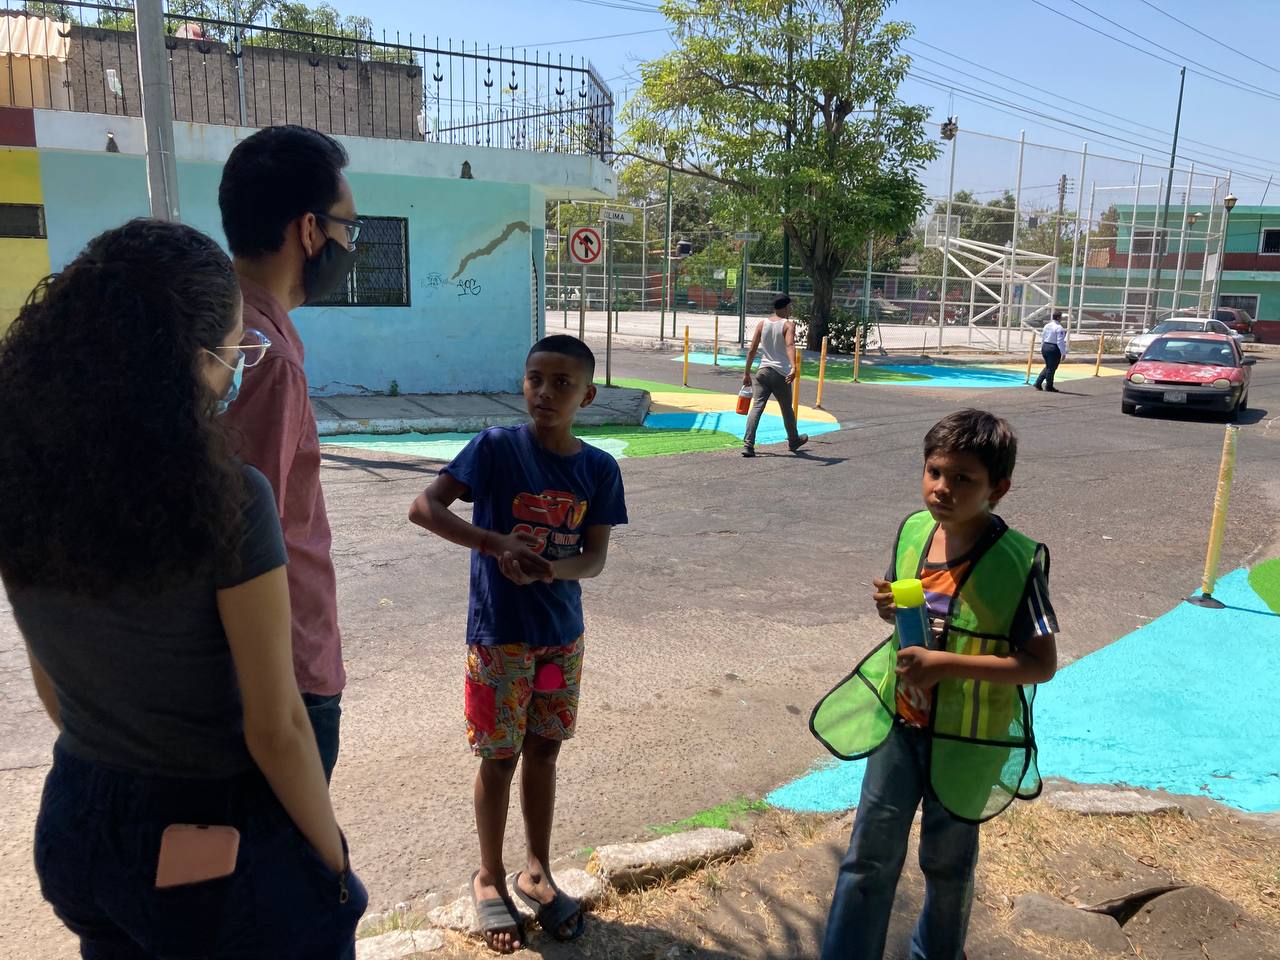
(715, 350)
(686, 355)
(1097, 364)
(795, 387)
(857, 353)
(822, 373)
(1031, 355)
(1226, 470)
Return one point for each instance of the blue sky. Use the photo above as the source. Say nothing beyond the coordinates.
(1019, 38)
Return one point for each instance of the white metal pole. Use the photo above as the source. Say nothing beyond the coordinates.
(1084, 266)
(1222, 253)
(1128, 262)
(946, 244)
(1208, 239)
(1182, 239)
(1075, 240)
(644, 257)
(564, 304)
(1017, 217)
(1152, 293)
(156, 85)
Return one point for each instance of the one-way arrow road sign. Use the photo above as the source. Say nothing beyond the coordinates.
(585, 245)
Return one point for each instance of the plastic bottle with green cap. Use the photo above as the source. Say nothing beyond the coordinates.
(911, 616)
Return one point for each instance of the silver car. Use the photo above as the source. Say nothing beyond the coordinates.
(1138, 345)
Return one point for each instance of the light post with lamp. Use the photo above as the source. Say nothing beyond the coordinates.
(1229, 203)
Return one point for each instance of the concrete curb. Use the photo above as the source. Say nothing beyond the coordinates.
(615, 413)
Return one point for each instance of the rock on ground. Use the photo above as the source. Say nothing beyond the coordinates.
(626, 865)
(1196, 922)
(399, 945)
(1053, 918)
(1109, 802)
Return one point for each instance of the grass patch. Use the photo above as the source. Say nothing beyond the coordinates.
(657, 386)
(646, 442)
(721, 816)
(1265, 581)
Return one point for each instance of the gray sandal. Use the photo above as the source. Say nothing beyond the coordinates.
(495, 915)
(552, 916)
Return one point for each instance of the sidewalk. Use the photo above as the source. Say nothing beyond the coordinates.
(461, 412)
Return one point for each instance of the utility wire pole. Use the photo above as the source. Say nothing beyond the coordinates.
(157, 110)
(791, 123)
(1162, 233)
(1057, 224)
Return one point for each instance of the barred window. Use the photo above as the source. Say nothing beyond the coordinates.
(381, 274)
(24, 220)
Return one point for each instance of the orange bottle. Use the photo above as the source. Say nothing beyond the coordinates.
(744, 400)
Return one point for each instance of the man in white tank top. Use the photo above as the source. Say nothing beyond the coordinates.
(775, 341)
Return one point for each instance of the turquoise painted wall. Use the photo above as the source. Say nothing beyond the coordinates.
(469, 324)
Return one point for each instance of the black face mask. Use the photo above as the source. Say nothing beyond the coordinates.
(326, 273)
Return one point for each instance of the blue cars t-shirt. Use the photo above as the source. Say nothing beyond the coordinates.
(517, 485)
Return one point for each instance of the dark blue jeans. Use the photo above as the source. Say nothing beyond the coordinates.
(96, 847)
(1052, 357)
(325, 714)
(896, 781)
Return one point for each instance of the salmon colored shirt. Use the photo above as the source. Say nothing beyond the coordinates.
(273, 412)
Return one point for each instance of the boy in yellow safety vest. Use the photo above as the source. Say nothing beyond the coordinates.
(947, 724)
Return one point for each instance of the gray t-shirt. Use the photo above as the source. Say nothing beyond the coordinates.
(145, 682)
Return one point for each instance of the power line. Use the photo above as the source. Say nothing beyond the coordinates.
(631, 6)
(1019, 112)
(1145, 142)
(944, 83)
(1209, 36)
(1058, 96)
(607, 36)
(1155, 56)
(1168, 50)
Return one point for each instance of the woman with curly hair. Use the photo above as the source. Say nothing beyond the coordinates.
(186, 812)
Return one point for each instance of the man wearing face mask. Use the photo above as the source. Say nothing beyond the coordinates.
(290, 221)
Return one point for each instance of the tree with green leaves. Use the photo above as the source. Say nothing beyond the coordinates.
(793, 106)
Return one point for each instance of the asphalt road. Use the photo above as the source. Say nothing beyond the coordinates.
(738, 595)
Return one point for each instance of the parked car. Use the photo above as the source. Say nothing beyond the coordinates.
(1202, 371)
(1189, 325)
(1241, 321)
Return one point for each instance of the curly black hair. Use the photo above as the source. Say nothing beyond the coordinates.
(115, 471)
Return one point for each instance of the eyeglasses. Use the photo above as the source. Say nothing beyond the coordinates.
(253, 347)
(353, 226)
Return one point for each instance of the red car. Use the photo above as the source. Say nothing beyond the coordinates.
(1201, 371)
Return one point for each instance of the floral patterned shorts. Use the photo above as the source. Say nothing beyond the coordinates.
(514, 689)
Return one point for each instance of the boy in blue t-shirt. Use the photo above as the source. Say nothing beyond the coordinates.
(544, 506)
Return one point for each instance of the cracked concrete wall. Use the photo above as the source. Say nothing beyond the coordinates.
(475, 269)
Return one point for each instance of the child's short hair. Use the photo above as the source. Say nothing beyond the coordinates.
(782, 301)
(986, 436)
(567, 346)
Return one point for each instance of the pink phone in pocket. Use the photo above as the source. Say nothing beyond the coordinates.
(194, 853)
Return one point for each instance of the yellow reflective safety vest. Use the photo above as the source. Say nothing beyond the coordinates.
(983, 753)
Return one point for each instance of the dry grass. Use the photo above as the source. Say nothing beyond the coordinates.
(1033, 847)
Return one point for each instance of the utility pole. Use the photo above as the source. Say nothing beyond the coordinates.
(666, 265)
(1162, 233)
(1057, 224)
(791, 122)
(157, 110)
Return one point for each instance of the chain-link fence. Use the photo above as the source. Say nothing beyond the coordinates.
(1013, 230)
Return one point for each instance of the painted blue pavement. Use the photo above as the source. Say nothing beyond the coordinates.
(1181, 704)
(909, 374)
(770, 429)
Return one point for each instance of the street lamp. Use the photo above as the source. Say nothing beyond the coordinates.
(1230, 203)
